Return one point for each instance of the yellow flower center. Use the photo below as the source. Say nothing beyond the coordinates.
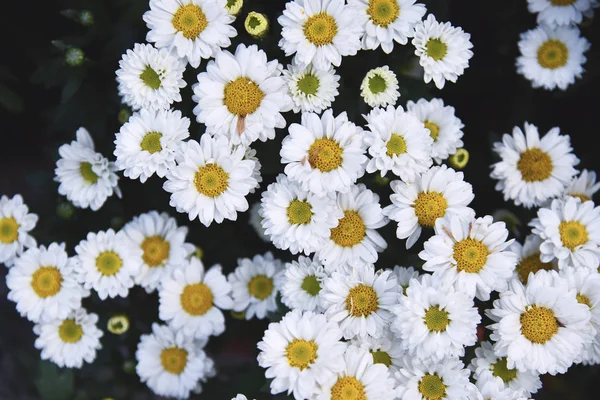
(311, 285)
(46, 281)
(432, 387)
(581, 196)
(531, 263)
(325, 154)
(108, 263)
(429, 206)
(362, 300)
(553, 54)
(583, 299)
(350, 230)
(534, 165)
(470, 255)
(69, 331)
(299, 212)
(196, 299)
(501, 370)
(572, 234)
(156, 251)
(85, 168)
(190, 20)
(308, 84)
(150, 78)
(562, 2)
(434, 130)
(383, 12)
(9, 230)
(436, 49)
(211, 180)
(459, 159)
(242, 96)
(151, 142)
(301, 353)
(436, 320)
(260, 286)
(320, 29)
(118, 324)
(348, 388)
(539, 324)
(396, 145)
(381, 357)
(174, 360)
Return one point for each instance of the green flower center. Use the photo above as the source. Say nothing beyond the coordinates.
(381, 357)
(308, 84)
(85, 168)
(432, 387)
(311, 285)
(151, 142)
(436, 320)
(436, 49)
(396, 145)
(260, 287)
(377, 84)
(150, 78)
(299, 212)
(501, 370)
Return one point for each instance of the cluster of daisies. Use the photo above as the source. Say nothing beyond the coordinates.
(552, 54)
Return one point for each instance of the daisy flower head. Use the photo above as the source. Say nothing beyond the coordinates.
(311, 89)
(324, 153)
(438, 192)
(443, 50)
(86, 177)
(301, 353)
(150, 78)
(398, 142)
(195, 29)
(559, 12)
(379, 87)
(255, 284)
(43, 284)
(191, 300)
(361, 378)
(70, 341)
(528, 258)
(388, 21)
(163, 247)
(552, 57)
(533, 169)
(583, 186)
(571, 233)
(108, 262)
(295, 219)
(146, 144)
(15, 224)
(445, 128)
(355, 239)
(301, 284)
(539, 327)
(242, 95)
(169, 362)
(386, 349)
(320, 32)
(211, 180)
(360, 300)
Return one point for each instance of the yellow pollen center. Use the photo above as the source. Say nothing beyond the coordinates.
(320, 29)
(242, 96)
(196, 299)
(581, 196)
(362, 300)
(534, 165)
(348, 388)
(562, 2)
(381, 357)
(396, 145)
(156, 251)
(583, 299)
(174, 360)
(325, 155)
(383, 12)
(470, 255)
(538, 324)
(531, 263)
(434, 130)
(46, 281)
(69, 331)
(190, 20)
(572, 234)
(151, 142)
(108, 263)
(9, 230)
(211, 180)
(553, 54)
(260, 287)
(436, 319)
(299, 212)
(501, 370)
(350, 230)
(436, 49)
(429, 206)
(85, 168)
(301, 353)
(432, 387)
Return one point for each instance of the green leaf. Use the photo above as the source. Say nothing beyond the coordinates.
(53, 383)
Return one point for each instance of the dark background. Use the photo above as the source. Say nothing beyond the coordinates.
(43, 101)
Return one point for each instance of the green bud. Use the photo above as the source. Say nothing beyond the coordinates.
(74, 56)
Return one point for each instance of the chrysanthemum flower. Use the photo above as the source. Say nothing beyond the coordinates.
(528, 258)
(15, 224)
(559, 12)
(301, 284)
(311, 89)
(379, 87)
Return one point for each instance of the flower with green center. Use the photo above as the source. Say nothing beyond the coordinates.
(379, 87)
(299, 212)
(432, 387)
(436, 49)
(312, 90)
(381, 357)
(256, 24)
(88, 173)
(151, 142)
(501, 370)
(311, 285)
(301, 284)
(436, 320)
(150, 78)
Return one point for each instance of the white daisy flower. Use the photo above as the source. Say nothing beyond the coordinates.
(445, 128)
(533, 169)
(494, 391)
(295, 219)
(163, 247)
(250, 154)
(108, 262)
(539, 327)
(552, 57)
(472, 253)
(191, 300)
(146, 144)
(426, 379)
(301, 352)
(44, 285)
(398, 142)
(354, 238)
(386, 350)
(487, 366)
(255, 284)
(211, 180)
(582, 186)
(242, 96)
(379, 87)
(71, 341)
(311, 89)
(86, 177)
(255, 220)
(571, 232)
(443, 50)
(15, 224)
(528, 258)
(559, 12)
(320, 32)
(404, 276)
(438, 192)
(360, 300)
(150, 78)
(301, 284)
(435, 320)
(324, 154)
(388, 21)
(195, 29)
(169, 362)
(360, 379)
